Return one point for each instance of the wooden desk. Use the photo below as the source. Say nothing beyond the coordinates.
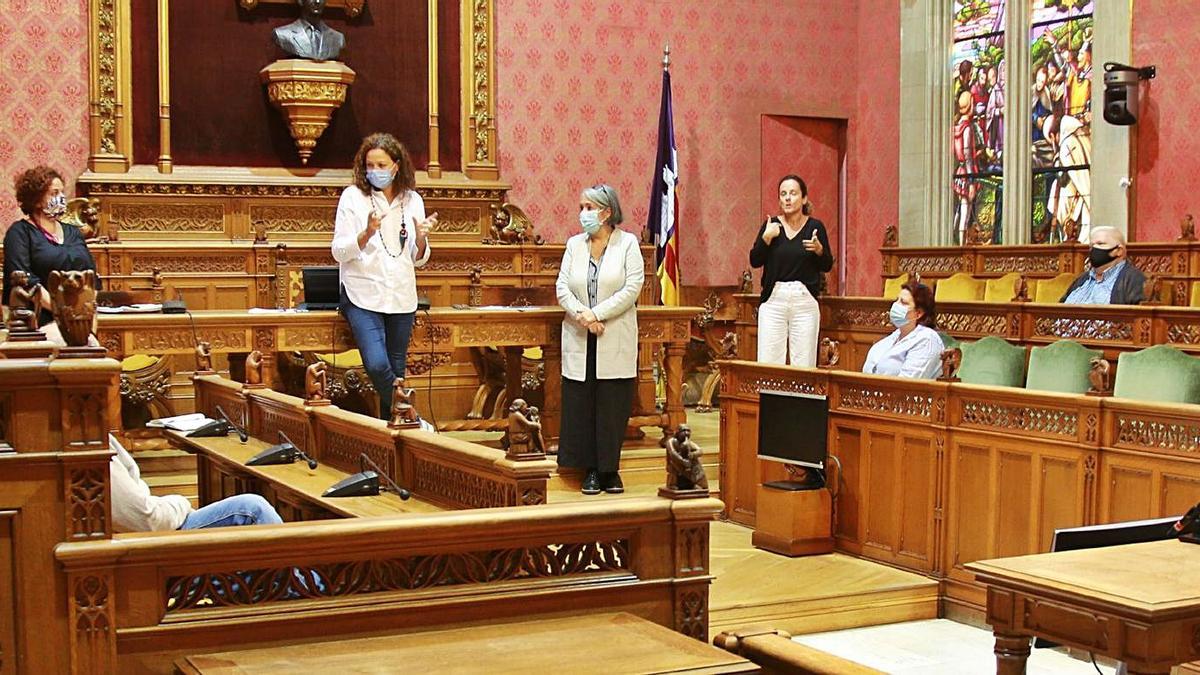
(434, 337)
(221, 461)
(592, 643)
(1133, 603)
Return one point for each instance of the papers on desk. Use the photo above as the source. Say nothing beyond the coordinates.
(275, 310)
(141, 308)
(184, 423)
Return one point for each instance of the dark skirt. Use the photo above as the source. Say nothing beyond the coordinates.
(595, 414)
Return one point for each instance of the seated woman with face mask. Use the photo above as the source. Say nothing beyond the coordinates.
(914, 349)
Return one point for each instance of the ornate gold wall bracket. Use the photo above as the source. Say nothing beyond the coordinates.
(307, 92)
(353, 8)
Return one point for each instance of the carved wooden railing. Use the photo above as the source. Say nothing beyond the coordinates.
(55, 415)
(188, 592)
(858, 322)
(444, 471)
(935, 475)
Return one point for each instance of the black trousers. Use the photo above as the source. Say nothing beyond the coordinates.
(594, 416)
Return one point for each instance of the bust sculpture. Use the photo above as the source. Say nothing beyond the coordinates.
(309, 37)
(73, 295)
(684, 470)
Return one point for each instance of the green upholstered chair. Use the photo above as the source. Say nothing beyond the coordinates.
(992, 361)
(1159, 373)
(949, 341)
(1062, 367)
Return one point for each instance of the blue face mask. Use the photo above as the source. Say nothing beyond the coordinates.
(380, 179)
(898, 314)
(590, 221)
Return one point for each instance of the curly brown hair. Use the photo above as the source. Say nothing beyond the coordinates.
(32, 185)
(924, 302)
(406, 178)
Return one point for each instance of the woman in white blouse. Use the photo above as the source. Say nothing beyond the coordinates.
(380, 237)
(914, 349)
(598, 285)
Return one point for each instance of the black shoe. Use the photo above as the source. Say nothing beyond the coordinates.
(591, 483)
(611, 482)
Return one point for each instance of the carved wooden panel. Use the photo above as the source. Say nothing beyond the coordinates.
(484, 334)
(273, 420)
(848, 440)
(691, 550)
(184, 340)
(691, 612)
(292, 219)
(973, 324)
(1003, 264)
(1181, 333)
(85, 420)
(946, 264)
(87, 504)
(232, 264)
(1083, 329)
(464, 264)
(93, 624)
(1126, 491)
(342, 451)
(1142, 432)
(409, 573)
(900, 404)
(8, 592)
(862, 318)
(1014, 417)
(1012, 509)
(460, 221)
(970, 495)
(460, 487)
(751, 385)
(168, 217)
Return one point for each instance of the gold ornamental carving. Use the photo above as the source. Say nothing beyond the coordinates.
(471, 335)
(183, 340)
(457, 221)
(481, 120)
(308, 92)
(281, 218)
(106, 59)
(169, 217)
(189, 264)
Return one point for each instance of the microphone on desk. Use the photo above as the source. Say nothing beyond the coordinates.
(364, 460)
(365, 483)
(242, 435)
(1185, 524)
(296, 451)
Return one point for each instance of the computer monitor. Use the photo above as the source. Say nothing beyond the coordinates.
(793, 428)
(322, 288)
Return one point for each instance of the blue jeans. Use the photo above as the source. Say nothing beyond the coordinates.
(247, 509)
(383, 342)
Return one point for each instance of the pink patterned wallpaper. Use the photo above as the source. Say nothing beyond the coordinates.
(810, 148)
(1164, 34)
(43, 92)
(578, 96)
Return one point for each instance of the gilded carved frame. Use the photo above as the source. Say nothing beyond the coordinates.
(110, 88)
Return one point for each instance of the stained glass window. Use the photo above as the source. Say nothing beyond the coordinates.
(977, 119)
(1061, 62)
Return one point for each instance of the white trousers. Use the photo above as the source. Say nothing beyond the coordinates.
(788, 323)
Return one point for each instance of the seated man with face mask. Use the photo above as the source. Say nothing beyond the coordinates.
(1111, 278)
(915, 348)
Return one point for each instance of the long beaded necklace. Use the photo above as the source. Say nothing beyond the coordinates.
(403, 235)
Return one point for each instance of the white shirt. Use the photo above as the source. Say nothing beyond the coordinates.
(380, 277)
(134, 509)
(917, 355)
(618, 283)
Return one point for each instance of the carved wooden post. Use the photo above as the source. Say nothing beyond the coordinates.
(1012, 650)
(512, 376)
(673, 410)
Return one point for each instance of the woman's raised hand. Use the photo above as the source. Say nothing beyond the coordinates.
(772, 230)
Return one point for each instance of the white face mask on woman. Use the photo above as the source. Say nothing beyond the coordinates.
(589, 220)
(899, 314)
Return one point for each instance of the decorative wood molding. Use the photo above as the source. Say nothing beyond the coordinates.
(460, 487)
(93, 622)
(110, 127)
(87, 504)
(478, 89)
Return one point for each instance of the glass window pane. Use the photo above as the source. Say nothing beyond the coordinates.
(1057, 10)
(977, 209)
(977, 17)
(1062, 204)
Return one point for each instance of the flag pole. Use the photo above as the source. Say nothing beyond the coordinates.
(666, 56)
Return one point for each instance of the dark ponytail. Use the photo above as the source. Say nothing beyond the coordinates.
(807, 208)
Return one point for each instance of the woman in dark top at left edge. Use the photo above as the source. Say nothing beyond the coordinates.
(40, 243)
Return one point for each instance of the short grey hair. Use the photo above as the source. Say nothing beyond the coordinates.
(606, 197)
(1116, 232)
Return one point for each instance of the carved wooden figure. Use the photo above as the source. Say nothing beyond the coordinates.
(1099, 378)
(951, 360)
(403, 413)
(316, 383)
(1187, 228)
(475, 289)
(747, 282)
(156, 277)
(523, 437)
(684, 468)
(23, 303)
(260, 233)
(254, 366)
(73, 295)
(729, 346)
(891, 236)
(1021, 290)
(204, 358)
(829, 353)
(1153, 290)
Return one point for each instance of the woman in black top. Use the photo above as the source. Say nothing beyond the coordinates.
(793, 250)
(40, 243)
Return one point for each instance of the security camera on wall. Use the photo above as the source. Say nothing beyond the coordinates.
(1121, 92)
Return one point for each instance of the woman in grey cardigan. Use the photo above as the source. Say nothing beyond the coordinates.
(598, 284)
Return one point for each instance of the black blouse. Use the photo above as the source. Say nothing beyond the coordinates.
(787, 260)
(26, 248)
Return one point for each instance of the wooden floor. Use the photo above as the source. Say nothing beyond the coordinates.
(808, 594)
